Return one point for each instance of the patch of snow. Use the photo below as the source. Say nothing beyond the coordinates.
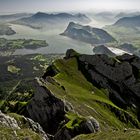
(117, 51)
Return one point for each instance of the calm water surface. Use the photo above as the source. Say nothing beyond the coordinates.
(57, 43)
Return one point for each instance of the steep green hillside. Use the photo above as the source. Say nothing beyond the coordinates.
(83, 94)
(131, 134)
(85, 97)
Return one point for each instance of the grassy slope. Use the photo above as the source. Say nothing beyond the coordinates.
(7, 133)
(70, 85)
(86, 99)
(131, 134)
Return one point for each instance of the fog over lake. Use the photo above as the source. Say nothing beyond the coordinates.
(57, 43)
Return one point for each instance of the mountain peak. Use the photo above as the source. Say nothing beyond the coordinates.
(40, 14)
(87, 34)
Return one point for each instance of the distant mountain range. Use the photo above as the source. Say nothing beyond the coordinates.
(87, 34)
(126, 29)
(125, 14)
(105, 16)
(11, 17)
(129, 21)
(41, 19)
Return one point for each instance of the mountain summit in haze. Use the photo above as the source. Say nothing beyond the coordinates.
(87, 34)
(42, 19)
(129, 22)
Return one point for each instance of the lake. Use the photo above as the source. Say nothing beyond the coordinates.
(57, 43)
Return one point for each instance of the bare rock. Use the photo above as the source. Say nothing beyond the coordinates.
(8, 121)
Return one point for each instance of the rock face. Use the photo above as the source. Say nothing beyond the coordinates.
(36, 128)
(8, 121)
(49, 111)
(45, 109)
(119, 75)
(89, 125)
(87, 34)
(65, 118)
(103, 50)
(12, 123)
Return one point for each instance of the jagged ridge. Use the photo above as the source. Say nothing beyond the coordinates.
(83, 94)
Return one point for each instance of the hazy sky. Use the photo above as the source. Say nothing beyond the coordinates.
(67, 5)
